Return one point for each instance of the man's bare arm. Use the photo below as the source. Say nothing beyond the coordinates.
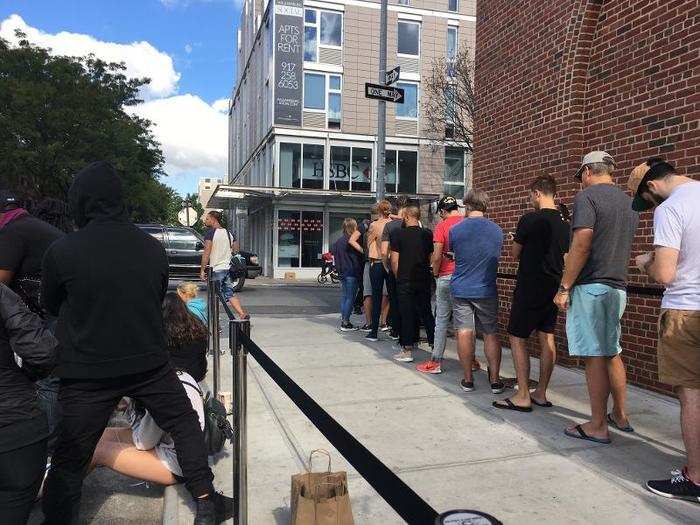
(353, 241)
(662, 267)
(394, 262)
(578, 255)
(205, 259)
(516, 250)
(436, 257)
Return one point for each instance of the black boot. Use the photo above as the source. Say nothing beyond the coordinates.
(214, 509)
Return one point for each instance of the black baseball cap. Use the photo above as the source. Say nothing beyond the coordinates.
(8, 198)
(448, 203)
(657, 169)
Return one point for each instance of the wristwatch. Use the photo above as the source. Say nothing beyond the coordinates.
(563, 289)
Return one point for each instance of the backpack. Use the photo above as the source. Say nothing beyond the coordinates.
(237, 265)
(217, 429)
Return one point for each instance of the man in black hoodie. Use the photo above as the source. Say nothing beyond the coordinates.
(106, 283)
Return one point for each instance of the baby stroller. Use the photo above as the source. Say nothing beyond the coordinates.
(328, 269)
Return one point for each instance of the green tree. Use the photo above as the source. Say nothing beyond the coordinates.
(58, 114)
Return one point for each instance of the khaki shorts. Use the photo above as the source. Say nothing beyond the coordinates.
(679, 348)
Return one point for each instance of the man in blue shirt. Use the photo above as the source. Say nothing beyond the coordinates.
(476, 243)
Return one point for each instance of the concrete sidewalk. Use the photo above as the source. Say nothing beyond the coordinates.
(452, 448)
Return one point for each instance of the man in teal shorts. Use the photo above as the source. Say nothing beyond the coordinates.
(593, 292)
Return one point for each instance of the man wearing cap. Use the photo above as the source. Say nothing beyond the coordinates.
(675, 263)
(593, 292)
(443, 265)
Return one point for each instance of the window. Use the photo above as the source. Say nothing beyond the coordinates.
(300, 239)
(409, 108)
(450, 107)
(453, 180)
(301, 165)
(323, 92)
(401, 171)
(181, 240)
(453, 5)
(451, 43)
(404, 2)
(156, 233)
(408, 38)
(351, 168)
(321, 28)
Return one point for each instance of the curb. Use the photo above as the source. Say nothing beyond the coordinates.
(177, 508)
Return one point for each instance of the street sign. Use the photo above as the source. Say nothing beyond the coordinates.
(379, 92)
(393, 75)
(187, 216)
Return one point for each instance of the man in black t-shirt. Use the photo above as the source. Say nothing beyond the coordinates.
(411, 248)
(541, 240)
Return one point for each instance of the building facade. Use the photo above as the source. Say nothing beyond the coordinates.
(302, 135)
(205, 189)
(585, 75)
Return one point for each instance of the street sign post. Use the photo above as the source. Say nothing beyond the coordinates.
(393, 75)
(387, 93)
(187, 216)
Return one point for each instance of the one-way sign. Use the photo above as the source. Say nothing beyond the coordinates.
(393, 75)
(379, 92)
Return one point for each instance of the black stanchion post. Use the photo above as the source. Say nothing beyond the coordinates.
(216, 335)
(240, 440)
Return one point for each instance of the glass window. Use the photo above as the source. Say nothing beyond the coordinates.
(156, 233)
(335, 227)
(454, 172)
(452, 5)
(408, 164)
(314, 91)
(310, 16)
(451, 43)
(408, 38)
(334, 82)
(290, 160)
(335, 102)
(311, 238)
(313, 166)
(340, 168)
(331, 28)
(391, 171)
(409, 108)
(310, 48)
(181, 240)
(361, 169)
(288, 239)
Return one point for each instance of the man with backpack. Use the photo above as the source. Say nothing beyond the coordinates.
(219, 244)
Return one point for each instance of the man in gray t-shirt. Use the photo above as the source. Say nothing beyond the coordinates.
(592, 291)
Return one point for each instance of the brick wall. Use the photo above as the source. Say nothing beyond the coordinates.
(558, 79)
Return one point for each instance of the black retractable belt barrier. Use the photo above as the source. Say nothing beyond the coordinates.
(650, 291)
(409, 505)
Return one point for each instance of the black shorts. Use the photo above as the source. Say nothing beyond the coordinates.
(526, 318)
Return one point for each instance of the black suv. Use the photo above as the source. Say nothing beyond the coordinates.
(184, 248)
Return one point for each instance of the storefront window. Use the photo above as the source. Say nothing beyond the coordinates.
(361, 169)
(311, 238)
(340, 168)
(290, 161)
(313, 166)
(288, 239)
(390, 171)
(408, 164)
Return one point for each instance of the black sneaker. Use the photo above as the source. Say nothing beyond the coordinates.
(678, 487)
(394, 336)
(366, 328)
(347, 327)
(497, 386)
(372, 337)
(214, 509)
(467, 386)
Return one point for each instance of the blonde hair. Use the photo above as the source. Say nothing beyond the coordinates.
(188, 289)
(349, 225)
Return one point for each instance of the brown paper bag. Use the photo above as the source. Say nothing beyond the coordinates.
(320, 498)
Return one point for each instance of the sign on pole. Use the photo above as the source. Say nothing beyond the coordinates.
(289, 64)
(187, 216)
(380, 92)
(393, 75)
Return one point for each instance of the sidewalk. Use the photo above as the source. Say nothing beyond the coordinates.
(452, 448)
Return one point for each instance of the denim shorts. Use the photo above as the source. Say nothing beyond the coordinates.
(593, 320)
(226, 288)
(481, 314)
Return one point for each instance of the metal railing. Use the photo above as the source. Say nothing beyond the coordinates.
(407, 503)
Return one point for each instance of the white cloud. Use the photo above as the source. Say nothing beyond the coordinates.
(192, 133)
(141, 58)
(221, 105)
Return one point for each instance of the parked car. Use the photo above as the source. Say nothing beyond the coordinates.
(184, 249)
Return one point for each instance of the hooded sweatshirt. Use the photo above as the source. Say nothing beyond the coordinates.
(105, 283)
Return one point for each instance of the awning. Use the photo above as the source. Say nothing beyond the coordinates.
(226, 196)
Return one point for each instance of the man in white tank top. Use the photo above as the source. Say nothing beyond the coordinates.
(219, 245)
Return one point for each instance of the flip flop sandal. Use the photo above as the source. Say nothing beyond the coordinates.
(509, 405)
(580, 434)
(611, 421)
(546, 404)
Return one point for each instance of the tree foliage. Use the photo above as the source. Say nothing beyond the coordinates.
(58, 114)
(449, 102)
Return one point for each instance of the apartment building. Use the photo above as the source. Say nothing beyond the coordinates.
(302, 135)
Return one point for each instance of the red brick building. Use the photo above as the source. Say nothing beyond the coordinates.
(556, 79)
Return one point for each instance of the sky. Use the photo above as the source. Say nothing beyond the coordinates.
(186, 47)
